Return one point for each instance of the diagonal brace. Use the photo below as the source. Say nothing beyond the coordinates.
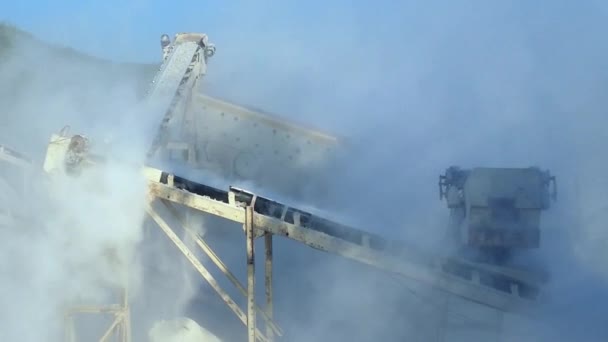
(220, 264)
(200, 268)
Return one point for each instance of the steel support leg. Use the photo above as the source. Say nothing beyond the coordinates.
(126, 320)
(250, 274)
(70, 333)
(218, 262)
(268, 282)
(243, 317)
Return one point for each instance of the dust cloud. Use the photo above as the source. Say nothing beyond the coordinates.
(79, 241)
(415, 88)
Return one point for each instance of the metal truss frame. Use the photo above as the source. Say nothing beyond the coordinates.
(120, 328)
(160, 211)
(157, 209)
(165, 191)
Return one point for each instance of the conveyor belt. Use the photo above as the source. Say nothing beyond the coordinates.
(164, 92)
(485, 285)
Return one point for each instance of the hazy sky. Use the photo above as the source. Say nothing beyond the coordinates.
(116, 29)
(123, 29)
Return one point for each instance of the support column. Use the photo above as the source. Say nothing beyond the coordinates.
(250, 274)
(218, 262)
(70, 333)
(268, 281)
(126, 320)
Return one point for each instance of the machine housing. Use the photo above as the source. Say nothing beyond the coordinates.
(497, 209)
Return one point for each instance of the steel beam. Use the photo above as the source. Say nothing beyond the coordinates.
(268, 283)
(220, 264)
(151, 211)
(425, 273)
(250, 234)
(119, 330)
(113, 327)
(70, 333)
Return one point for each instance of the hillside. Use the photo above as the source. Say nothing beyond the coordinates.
(44, 87)
(11, 35)
(12, 38)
